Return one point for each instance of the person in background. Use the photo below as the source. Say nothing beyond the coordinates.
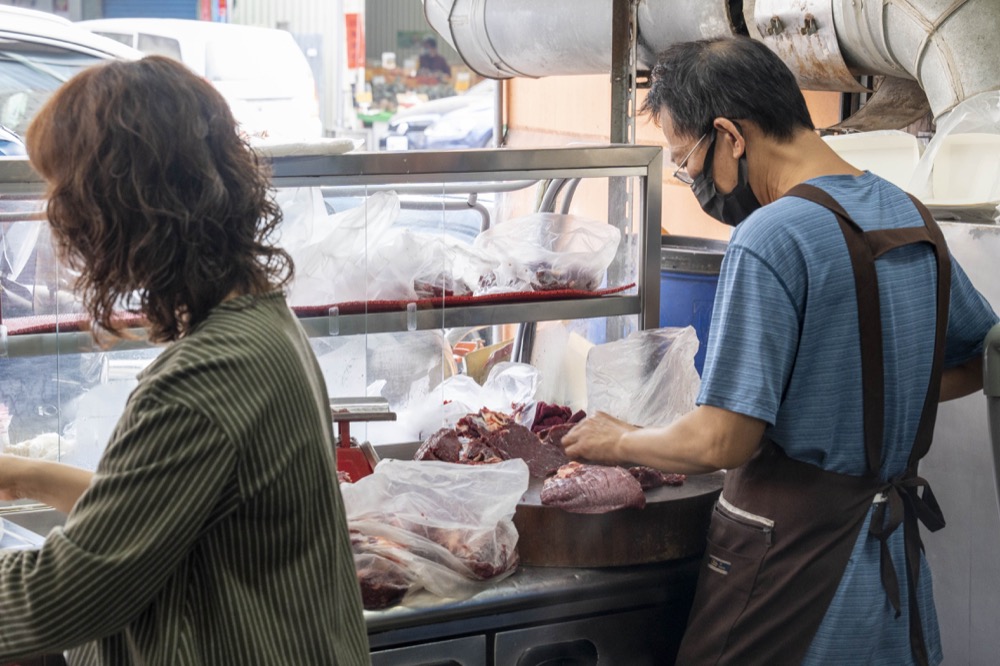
(213, 530)
(432, 62)
(840, 322)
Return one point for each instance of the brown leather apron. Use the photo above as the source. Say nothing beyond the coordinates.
(783, 530)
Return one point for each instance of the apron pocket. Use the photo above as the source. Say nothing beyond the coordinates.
(729, 570)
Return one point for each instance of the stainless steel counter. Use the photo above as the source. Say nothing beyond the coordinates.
(642, 610)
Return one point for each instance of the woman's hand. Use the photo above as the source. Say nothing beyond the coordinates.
(11, 477)
(597, 439)
(52, 483)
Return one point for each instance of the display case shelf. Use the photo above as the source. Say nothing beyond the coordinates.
(447, 172)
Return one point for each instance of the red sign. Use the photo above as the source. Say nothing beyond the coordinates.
(355, 40)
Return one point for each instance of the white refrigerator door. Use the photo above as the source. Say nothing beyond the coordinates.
(959, 467)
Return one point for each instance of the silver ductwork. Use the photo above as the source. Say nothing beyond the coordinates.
(947, 46)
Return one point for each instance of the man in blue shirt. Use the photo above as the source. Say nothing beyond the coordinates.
(840, 322)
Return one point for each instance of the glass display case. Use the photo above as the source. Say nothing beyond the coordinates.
(403, 281)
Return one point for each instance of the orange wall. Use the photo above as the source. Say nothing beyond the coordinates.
(564, 110)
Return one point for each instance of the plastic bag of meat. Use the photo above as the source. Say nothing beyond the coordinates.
(548, 251)
(425, 530)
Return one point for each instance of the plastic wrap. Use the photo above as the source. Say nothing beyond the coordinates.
(509, 388)
(548, 251)
(646, 379)
(434, 527)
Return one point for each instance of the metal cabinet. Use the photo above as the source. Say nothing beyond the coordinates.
(469, 651)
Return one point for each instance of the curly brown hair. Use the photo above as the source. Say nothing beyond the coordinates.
(154, 197)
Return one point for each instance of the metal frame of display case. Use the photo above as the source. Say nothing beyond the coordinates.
(452, 171)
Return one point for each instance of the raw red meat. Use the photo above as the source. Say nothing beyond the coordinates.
(516, 441)
(478, 425)
(547, 415)
(649, 477)
(490, 437)
(478, 452)
(444, 445)
(580, 488)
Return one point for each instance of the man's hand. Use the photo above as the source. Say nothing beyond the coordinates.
(596, 439)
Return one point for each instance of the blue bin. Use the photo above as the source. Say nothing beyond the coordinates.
(689, 276)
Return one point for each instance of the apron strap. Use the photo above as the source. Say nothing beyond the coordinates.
(905, 504)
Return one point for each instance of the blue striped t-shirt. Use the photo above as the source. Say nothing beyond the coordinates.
(784, 348)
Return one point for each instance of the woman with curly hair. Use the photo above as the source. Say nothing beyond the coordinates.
(213, 530)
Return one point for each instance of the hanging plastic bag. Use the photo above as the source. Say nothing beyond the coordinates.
(439, 528)
(548, 251)
(958, 175)
(647, 379)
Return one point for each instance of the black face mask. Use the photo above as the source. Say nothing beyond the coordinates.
(730, 208)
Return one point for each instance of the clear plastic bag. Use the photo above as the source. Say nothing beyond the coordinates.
(433, 527)
(509, 388)
(646, 379)
(354, 255)
(548, 251)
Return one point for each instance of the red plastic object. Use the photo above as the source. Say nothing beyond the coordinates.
(352, 460)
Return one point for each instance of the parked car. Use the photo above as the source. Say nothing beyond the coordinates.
(261, 72)
(10, 143)
(468, 127)
(407, 127)
(38, 52)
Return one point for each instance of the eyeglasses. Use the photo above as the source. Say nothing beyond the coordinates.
(680, 173)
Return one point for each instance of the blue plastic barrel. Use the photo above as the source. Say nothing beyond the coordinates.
(689, 276)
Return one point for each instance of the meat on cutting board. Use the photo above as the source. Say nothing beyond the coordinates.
(489, 437)
(516, 441)
(581, 488)
(649, 477)
(444, 445)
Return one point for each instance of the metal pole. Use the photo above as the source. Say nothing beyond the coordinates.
(620, 194)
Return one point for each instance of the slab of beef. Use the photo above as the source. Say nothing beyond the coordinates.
(478, 452)
(444, 445)
(580, 488)
(516, 441)
(547, 415)
(481, 423)
(649, 477)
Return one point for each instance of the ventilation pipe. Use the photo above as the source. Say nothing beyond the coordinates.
(947, 46)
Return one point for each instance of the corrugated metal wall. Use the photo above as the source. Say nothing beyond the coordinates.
(389, 22)
(318, 26)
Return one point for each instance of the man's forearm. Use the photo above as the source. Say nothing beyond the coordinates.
(962, 380)
(704, 440)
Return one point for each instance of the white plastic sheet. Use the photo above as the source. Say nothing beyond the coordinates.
(647, 379)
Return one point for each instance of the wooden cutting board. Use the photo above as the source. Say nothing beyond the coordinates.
(672, 526)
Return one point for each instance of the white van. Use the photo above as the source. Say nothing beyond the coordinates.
(262, 72)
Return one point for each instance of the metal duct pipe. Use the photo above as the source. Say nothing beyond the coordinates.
(507, 38)
(947, 46)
